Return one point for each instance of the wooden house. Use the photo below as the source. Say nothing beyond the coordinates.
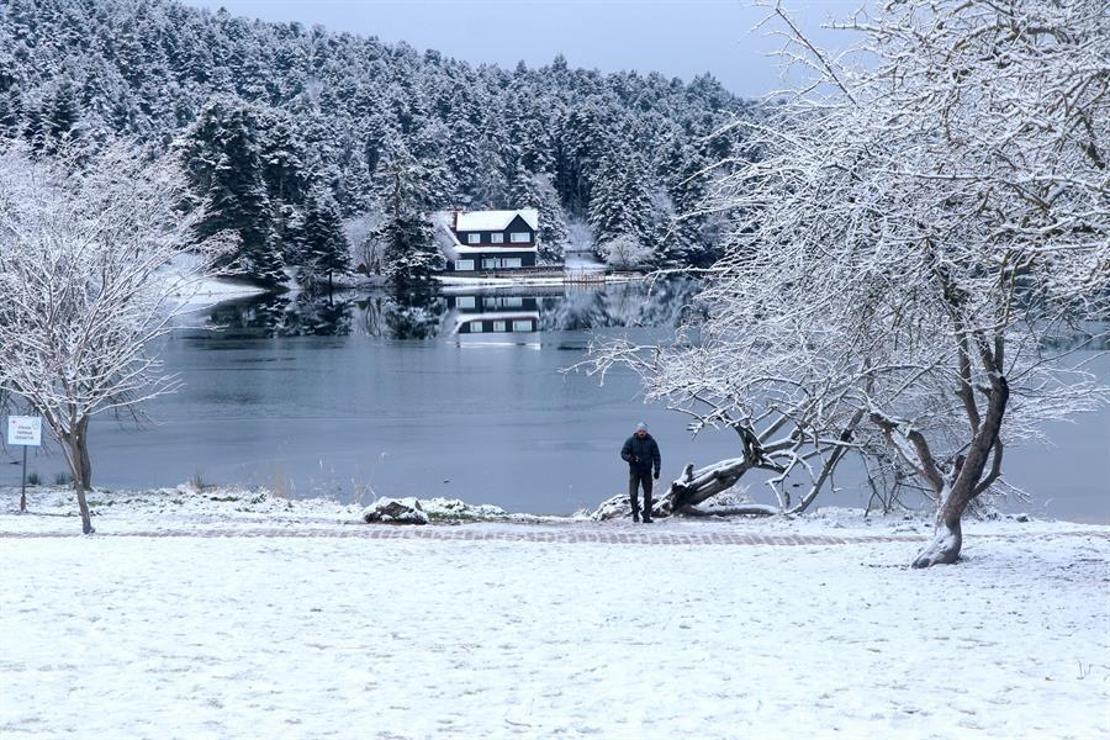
(486, 241)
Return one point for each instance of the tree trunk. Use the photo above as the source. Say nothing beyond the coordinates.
(697, 486)
(944, 549)
(81, 466)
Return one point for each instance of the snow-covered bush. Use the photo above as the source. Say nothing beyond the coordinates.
(624, 252)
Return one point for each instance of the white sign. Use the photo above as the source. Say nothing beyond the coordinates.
(25, 431)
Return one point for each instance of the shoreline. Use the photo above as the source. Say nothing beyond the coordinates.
(258, 512)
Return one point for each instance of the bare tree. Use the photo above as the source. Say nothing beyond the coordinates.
(912, 232)
(624, 252)
(88, 284)
(365, 251)
(916, 225)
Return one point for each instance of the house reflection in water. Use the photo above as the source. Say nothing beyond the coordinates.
(470, 314)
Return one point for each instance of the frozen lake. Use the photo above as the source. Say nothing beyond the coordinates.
(369, 396)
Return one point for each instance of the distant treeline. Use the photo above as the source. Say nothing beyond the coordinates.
(324, 151)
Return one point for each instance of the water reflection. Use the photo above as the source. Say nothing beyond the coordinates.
(461, 313)
(299, 315)
(409, 315)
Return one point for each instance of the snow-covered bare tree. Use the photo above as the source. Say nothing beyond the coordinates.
(920, 223)
(93, 271)
(624, 252)
(365, 251)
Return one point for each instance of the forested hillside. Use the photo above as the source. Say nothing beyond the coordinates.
(324, 151)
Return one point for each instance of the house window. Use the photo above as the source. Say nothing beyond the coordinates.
(476, 327)
(500, 326)
(473, 238)
(512, 262)
(489, 263)
(497, 238)
(464, 265)
(522, 326)
(466, 301)
(513, 301)
(520, 237)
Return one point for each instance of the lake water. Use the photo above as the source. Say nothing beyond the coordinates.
(460, 395)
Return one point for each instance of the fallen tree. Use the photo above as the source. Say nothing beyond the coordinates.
(797, 432)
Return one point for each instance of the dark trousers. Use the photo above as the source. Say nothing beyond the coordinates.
(636, 479)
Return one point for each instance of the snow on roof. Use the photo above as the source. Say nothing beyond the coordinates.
(496, 220)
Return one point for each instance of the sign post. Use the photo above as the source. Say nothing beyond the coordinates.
(24, 431)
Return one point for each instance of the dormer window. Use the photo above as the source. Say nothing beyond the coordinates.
(520, 237)
(497, 238)
(473, 238)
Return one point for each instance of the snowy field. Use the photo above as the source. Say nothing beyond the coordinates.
(196, 635)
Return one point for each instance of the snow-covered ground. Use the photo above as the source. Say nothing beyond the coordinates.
(195, 293)
(199, 635)
(522, 280)
(582, 260)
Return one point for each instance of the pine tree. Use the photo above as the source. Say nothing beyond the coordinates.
(282, 155)
(11, 100)
(326, 252)
(491, 183)
(283, 160)
(58, 120)
(621, 200)
(405, 235)
(683, 171)
(462, 158)
(11, 112)
(223, 159)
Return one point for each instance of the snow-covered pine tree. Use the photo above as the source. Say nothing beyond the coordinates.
(683, 171)
(283, 158)
(409, 254)
(283, 168)
(57, 122)
(11, 100)
(223, 160)
(11, 113)
(491, 183)
(428, 146)
(621, 199)
(326, 252)
(462, 158)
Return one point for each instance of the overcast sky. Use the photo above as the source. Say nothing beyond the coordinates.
(676, 37)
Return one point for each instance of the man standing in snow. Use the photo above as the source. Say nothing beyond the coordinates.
(642, 455)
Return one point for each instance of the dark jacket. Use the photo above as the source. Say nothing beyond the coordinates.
(641, 454)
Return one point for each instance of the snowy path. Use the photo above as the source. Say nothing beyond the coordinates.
(414, 637)
(611, 534)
